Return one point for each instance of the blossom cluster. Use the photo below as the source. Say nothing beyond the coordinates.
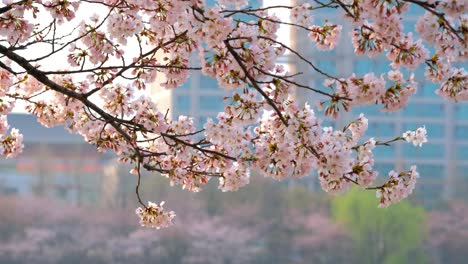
(417, 137)
(370, 89)
(362, 170)
(154, 216)
(398, 187)
(12, 145)
(301, 15)
(455, 87)
(443, 26)
(325, 37)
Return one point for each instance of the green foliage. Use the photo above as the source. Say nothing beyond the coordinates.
(381, 235)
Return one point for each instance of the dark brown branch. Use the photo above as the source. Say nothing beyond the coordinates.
(10, 6)
(300, 57)
(431, 8)
(254, 83)
(195, 146)
(137, 188)
(113, 121)
(41, 77)
(286, 79)
(8, 69)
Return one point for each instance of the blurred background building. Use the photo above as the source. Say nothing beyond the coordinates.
(443, 162)
(200, 97)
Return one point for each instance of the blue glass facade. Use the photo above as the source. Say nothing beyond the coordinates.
(201, 97)
(443, 162)
(447, 123)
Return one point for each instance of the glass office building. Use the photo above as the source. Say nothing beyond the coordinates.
(200, 97)
(443, 162)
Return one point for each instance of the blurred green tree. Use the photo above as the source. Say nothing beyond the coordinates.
(389, 236)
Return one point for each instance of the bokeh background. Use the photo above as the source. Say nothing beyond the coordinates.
(61, 202)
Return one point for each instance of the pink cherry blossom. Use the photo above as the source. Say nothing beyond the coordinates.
(93, 73)
(154, 216)
(325, 37)
(456, 86)
(301, 15)
(12, 144)
(398, 187)
(418, 137)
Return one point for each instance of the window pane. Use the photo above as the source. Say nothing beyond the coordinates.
(384, 152)
(383, 168)
(429, 194)
(211, 103)
(429, 171)
(427, 89)
(424, 110)
(182, 103)
(380, 66)
(461, 132)
(461, 112)
(208, 83)
(462, 171)
(428, 151)
(371, 110)
(186, 85)
(326, 66)
(361, 67)
(462, 152)
(380, 129)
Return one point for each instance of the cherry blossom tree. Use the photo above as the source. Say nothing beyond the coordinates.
(91, 72)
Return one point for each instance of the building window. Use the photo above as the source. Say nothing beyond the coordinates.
(380, 65)
(361, 67)
(461, 132)
(429, 194)
(461, 112)
(424, 110)
(432, 171)
(431, 151)
(462, 152)
(326, 66)
(182, 103)
(186, 85)
(381, 129)
(427, 89)
(384, 152)
(429, 171)
(208, 83)
(462, 171)
(211, 103)
(371, 110)
(384, 168)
